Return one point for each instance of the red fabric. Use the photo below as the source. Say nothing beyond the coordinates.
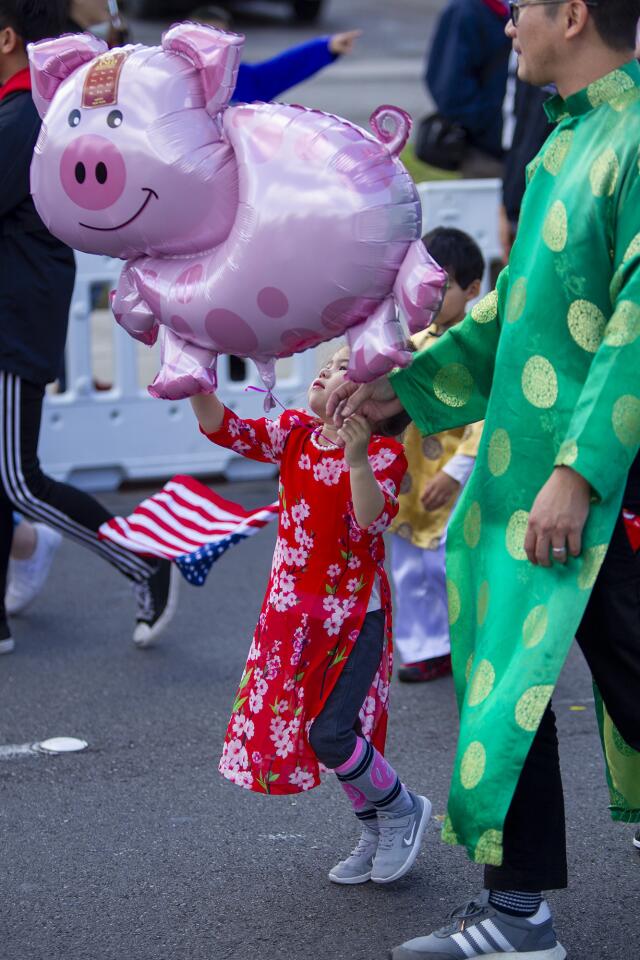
(632, 526)
(19, 81)
(322, 574)
(498, 7)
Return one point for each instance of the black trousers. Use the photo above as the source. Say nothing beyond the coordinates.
(609, 637)
(24, 487)
(334, 731)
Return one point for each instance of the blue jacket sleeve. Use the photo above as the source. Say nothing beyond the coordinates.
(266, 80)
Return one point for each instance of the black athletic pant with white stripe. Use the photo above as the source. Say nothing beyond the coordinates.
(534, 838)
(24, 487)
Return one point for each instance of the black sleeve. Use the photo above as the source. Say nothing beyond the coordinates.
(19, 128)
(531, 130)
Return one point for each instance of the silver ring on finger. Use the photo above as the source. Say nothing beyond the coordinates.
(559, 551)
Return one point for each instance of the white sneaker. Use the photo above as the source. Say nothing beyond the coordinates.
(26, 578)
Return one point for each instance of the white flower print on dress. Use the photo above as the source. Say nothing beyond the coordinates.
(243, 778)
(334, 570)
(240, 446)
(379, 525)
(301, 778)
(255, 702)
(304, 463)
(382, 458)
(300, 511)
(353, 563)
(285, 520)
(329, 471)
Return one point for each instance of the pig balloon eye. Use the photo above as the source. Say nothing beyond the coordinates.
(74, 118)
(115, 118)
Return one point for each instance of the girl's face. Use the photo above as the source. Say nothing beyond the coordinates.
(330, 377)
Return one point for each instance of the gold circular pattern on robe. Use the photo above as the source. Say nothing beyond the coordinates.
(604, 174)
(468, 668)
(624, 326)
(609, 87)
(531, 706)
(586, 324)
(472, 765)
(554, 229)
(489, 848)
(556, 153)
(448, 833)
(625, 418)
(516, 532)
(406, 483)
(517, 300)
(535, 626)
(472, 526)
(484, 677)
(453, 385)
(432, 448)
(486, 309)
(539, 382)
(453, 595)
(591, 562)
(567, 454)
(633, 249)
(499, 452)
(483, 602)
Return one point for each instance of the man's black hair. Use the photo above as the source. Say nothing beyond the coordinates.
(457, 253)
(616, 22)
(34, 19)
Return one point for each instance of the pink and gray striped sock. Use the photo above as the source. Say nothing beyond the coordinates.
(371, 783)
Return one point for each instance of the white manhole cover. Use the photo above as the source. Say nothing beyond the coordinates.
(61, 745)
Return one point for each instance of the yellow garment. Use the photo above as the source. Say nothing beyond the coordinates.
(426, 456)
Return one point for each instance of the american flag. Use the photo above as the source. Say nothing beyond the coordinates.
(188, 523)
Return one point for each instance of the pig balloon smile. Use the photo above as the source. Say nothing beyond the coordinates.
(150, 193)
(280, 227)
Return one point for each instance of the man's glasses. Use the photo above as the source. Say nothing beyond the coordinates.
(515, 6)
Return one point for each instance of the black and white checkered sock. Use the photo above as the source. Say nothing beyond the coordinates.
(514, 902)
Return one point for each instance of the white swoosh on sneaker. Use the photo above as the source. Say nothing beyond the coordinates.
(407, 842)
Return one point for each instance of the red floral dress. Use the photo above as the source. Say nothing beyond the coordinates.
(323, 571)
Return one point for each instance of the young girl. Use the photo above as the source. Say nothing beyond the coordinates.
(315, 688)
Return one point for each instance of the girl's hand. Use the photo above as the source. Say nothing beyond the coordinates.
(341, 43)
(355, 434)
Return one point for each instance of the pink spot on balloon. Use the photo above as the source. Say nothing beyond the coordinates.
(273, 302)
(183, 288)
(180, 325)
(346, 312)
(382, 775)
(229, 332)
(365, 167)
(298, 339)
(265, 142)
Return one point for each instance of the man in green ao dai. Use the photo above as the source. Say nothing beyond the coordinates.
(537, 551)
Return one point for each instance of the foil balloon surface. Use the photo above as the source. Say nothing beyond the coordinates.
(257, 229)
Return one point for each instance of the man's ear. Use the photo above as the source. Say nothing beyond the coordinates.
(9, 41)
(473, 290)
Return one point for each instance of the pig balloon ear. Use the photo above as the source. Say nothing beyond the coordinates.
(214, 53)
(52, 61)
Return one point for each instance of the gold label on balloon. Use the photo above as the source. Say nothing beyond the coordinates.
(101, 84)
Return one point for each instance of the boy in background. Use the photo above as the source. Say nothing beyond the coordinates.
(439, 467)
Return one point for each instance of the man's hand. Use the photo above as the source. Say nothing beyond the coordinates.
(557, 518)
(341, 43)
(355, 434)
(376, 401)
(439, 491)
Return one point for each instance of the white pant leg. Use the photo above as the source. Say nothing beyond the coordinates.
(421, 615)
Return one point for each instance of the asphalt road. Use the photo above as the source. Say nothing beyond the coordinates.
(138, 850)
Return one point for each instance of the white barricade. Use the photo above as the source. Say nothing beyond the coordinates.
(97, 439)
(469, 205)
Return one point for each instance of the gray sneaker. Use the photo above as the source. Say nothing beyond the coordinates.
(478, 930)
(400, 839)
(636, 839)
(357, 867)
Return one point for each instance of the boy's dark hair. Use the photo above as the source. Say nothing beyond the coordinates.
(457, 253)
(210, 12)
(34, 20)
(616, 22)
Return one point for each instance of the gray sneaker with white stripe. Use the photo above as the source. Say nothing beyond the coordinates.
(478, 930)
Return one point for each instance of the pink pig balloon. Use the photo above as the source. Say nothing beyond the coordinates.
(259, 229)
